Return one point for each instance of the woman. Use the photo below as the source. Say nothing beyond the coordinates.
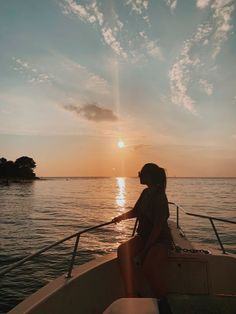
(149, 249)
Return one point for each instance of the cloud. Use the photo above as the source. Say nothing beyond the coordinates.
(91, 14)
(110, 39)
(118, 22)
(215, 33)
(92, 112)
(171, 3)
(138, 6)
(179, 87)
(95, 83)
(80, 76)
(88, 13)
(154, 50)
(151, 47)
(180, 72)
(114, 33)
(207, 87)
(65, 75)
(32, 73)
(222, 15)
(202, 4)
(141, 146)
(221, 20)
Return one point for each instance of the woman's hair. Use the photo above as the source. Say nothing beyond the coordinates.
(155, 173)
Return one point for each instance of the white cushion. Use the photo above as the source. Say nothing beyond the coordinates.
(133, 306)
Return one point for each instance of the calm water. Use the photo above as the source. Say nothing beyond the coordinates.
(34, 215)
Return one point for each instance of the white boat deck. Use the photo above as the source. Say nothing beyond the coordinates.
(133, 306)
(194, 278)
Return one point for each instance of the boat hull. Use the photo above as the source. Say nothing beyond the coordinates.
(95, 285)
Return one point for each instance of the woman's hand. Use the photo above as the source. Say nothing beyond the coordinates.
(124, 216)
(118, 219)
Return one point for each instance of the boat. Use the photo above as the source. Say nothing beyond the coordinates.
(201, 279)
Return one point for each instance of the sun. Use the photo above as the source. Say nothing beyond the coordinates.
(121, 144)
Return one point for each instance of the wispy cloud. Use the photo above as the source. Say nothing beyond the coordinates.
(69, 75)
(138, 6)
(179, 82)
(171, 3)
(91, 14)
(32, 73)
(96, 83)
(81, 76)
(141, 146)
(214, 32)
(222, 15)
(206, 86)
(114, 32)
(151, 46)
(180, 72)
(202, 4)
(110, 39)
(92, 112)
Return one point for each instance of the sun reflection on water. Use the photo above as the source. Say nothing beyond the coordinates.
(120, 196)
(125, 227)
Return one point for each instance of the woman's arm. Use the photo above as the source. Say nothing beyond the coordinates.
(127, 215)
(132, 213)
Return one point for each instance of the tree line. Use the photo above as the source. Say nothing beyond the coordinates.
(21, 168)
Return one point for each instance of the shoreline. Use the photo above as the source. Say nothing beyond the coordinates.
(17, 180)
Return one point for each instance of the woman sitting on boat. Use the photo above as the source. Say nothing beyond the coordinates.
(149, 248)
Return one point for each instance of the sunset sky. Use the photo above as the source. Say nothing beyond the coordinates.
(156, 76)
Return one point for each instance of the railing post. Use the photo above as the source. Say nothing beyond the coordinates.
(73, 257)
(135, 226)
(216, 233)
(177, 216)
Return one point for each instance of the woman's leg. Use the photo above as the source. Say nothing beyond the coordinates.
(155, 269)
(126, 253)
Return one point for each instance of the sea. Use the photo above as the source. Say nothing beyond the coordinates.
(35, 214)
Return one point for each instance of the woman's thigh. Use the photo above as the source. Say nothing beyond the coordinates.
(131, 247)
(156, 258)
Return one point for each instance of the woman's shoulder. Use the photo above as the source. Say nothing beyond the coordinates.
(155, 194)
(145, 191)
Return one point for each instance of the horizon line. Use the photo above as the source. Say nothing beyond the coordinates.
(134, 177)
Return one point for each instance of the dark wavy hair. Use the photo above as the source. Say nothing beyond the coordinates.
(156, 173)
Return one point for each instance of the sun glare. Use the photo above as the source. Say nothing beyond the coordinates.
(121, 144)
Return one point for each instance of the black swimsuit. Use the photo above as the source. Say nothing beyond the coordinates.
(152, 209)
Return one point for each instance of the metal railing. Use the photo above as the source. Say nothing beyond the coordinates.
(78, 234)
(210, 218)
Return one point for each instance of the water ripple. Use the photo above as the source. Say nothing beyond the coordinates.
(35, 215)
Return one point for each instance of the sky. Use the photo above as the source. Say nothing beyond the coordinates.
(157, 77)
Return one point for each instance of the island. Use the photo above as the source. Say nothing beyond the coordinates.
(20, 170)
